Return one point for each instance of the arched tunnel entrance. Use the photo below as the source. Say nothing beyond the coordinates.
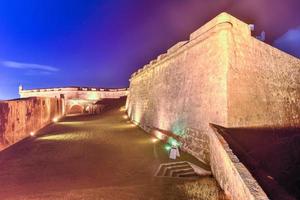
(76, 109)
(79, 106)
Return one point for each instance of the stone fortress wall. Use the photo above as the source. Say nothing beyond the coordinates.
(21, 117)
(38, 107)
(87, 93)
(263, 85)
(77, 99)
(221, 75)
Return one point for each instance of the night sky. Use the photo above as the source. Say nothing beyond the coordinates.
(48, 43)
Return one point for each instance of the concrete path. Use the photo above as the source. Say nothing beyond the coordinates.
(94, 157)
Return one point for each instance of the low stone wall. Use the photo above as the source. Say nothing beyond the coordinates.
(211, 148)
(231, 174)
(20, 117)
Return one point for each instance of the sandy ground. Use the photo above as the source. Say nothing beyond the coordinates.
(94, 157)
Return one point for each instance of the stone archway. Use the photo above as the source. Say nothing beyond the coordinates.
(76, 109)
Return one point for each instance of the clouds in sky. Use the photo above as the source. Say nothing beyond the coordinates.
(289, 42)
(30, 67)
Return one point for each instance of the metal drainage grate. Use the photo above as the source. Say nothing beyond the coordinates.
(181, 169)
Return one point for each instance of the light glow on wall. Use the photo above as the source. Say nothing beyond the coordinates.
(173, 142)
(123, 109)
(137, 116)
(93, 96)
(154, 140)
(168, 147)
(159, 135)
(55, 119)
(32, 134)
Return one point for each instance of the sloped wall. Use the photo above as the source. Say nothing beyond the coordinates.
(195, 84)
(179, 89)
(21, 116)
(263, 85)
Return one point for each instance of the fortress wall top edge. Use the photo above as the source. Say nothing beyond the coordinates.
(218, 23)
(72, 89)
(223, 18)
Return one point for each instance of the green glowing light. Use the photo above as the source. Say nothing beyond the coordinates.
(168, 147)
(173, 142)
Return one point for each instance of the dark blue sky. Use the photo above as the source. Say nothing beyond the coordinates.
(48, 43)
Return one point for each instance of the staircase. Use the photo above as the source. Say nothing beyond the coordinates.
(181, 169)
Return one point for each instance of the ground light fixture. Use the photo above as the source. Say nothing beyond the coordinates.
(168, 147)
(173, 142)
(55, 119)
(154, 140)
(32, 134)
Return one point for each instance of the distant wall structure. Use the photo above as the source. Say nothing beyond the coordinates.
(77, 99)
(221, 75)
(39, 107)
(20, 117)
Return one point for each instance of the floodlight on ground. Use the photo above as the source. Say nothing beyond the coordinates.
(123, 108)
(168, 147)
(55, 119)
(154, 140)
(32, 134)
(159, 135)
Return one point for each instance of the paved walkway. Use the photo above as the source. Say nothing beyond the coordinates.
(94, 157)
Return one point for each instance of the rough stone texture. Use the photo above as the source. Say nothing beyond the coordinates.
(178, 91)
(18, 118)
(196, 143)
(222, 75)
(263, 85)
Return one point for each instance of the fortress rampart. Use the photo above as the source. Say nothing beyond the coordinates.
(77, 99)
(21, 117)
(38, 107)
(86, 93)
(221, 75)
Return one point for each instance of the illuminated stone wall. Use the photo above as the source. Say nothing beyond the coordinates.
(221, 75)
(20, 117)
(76, 97)
(186, 88)
(179, 89)
(263, 85)
(83, 93)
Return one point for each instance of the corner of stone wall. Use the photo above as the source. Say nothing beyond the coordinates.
(223, 18)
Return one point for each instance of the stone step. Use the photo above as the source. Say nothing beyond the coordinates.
(176, 173)
(164, 167)
(169, 170)
(189, 175)
(182, 169)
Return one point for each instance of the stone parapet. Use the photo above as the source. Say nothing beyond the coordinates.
(21, 117)
(231, 174)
